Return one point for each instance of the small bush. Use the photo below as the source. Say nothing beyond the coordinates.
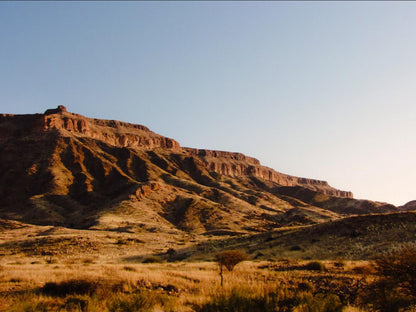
(142, 302)
(240, 300)
(314, 266)
(362, 269)
(70, 287)
(88, 261)
(395, 288)
(305, 286)
(76, 303)
(322, 303)
(128, 268)
(339, 263)
(171, 251)
(31, 307)
(237, 300)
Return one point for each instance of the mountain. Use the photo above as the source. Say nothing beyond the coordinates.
(64, 169)
(409, 206)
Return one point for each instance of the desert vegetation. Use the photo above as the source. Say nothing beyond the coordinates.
(44, 268)
(229, 259)
(101, 215)
(386, 284)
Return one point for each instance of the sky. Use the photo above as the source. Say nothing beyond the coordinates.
(323, 90)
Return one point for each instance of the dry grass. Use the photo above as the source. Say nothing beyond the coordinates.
(109, 265)
(173, 286)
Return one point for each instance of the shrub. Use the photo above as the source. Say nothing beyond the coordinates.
(305, 286)
(128, 268)
(314, 266)
(76, 303)
(339, 263)
(395, 288)
(399, 268)
(363, 269)
(70, 287)
(237, 300)
(171, 251)
(88, 261)
(142, 302)
(282, 300)
(31, 307)
(322, 303)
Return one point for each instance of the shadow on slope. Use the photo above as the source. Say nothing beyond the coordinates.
(357, 238)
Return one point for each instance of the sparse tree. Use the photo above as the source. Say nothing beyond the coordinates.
(229, 259)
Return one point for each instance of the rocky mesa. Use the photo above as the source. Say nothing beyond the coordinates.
(112, 132)
(65, 169)
(122, 134)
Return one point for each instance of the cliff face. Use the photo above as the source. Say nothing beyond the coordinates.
(122, 134)
(116, 133)
(238, 165)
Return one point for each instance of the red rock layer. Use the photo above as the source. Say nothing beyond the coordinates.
(112, 132)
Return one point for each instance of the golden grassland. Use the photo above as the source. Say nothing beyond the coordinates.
(180, 286)
(46, 268)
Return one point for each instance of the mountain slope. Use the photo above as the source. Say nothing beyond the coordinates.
(358, 237)
(60, 168)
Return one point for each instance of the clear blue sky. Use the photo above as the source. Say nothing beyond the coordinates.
(324, 90)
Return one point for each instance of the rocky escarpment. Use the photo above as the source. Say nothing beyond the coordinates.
(112, 132)
(238, 165)
(122, 134)
(62, 168)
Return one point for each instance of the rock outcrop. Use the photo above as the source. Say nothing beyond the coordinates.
(112, 132)
(237, 165)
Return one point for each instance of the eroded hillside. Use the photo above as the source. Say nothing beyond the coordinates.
(60, 168)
